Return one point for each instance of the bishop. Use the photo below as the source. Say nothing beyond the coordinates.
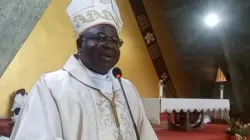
(83, 100)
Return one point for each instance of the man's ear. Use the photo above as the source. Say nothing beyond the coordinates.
(79, 44)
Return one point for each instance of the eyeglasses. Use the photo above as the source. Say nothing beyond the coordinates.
(102, 40)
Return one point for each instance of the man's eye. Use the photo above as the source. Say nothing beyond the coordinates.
(96, 38)
(101, 35)
(115, 38)
(102, 38)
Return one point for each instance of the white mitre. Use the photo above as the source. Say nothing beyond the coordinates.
(85, 14)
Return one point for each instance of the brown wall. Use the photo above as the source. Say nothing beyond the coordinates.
(167, 44)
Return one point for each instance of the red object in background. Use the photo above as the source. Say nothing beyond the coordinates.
(6, 127)
(210, 132)
(234, 138)
(164, 117)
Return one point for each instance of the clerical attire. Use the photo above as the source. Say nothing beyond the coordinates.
(75, 104)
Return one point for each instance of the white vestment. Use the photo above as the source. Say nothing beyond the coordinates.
(66, 105)
(19, 101)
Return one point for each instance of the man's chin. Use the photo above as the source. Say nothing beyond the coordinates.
(106, 67)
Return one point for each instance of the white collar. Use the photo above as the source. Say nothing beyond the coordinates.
(96, 75)
(77, 71)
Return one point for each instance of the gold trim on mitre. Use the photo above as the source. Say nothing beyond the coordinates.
(94, 13)
(99, 23)
(94, 18)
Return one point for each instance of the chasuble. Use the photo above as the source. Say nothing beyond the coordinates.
(68, 105)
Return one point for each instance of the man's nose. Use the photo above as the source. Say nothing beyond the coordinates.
(109, 45)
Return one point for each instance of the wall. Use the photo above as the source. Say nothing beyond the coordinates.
(167, 44)
(17, 20)
(53, 40)
(51, 43)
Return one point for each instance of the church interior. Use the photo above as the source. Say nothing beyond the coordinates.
(188, 60)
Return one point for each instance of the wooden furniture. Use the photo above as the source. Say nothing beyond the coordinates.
(6, 126)
(186, 121)
(188, 113)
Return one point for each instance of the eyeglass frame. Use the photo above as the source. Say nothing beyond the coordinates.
(108, 38)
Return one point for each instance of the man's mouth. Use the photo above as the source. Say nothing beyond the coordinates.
(106, 57)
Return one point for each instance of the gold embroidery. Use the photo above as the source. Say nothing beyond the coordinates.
(105, 1)
(93, 15)
(108, 117)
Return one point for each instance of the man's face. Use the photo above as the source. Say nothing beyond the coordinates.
(100, 48)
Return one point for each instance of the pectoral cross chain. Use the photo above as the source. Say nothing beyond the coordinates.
(114, 110)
